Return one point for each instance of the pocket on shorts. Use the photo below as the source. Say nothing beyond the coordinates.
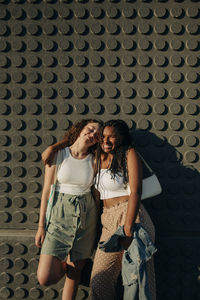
(63, 213)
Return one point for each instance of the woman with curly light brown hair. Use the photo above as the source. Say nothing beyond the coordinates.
(68, 240)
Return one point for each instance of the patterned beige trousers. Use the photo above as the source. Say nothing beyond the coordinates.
(107, 266)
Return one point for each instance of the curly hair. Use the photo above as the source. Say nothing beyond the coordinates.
(74, 131)
(119, 162)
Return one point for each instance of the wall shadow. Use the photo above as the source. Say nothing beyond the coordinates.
(175, 214)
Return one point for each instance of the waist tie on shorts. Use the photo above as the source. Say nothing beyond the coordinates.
(80, 208)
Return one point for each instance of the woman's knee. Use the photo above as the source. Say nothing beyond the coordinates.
(47, 279)
(43, 278)
(49, 270)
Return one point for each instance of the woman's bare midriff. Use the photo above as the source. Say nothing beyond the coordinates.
(116, 200)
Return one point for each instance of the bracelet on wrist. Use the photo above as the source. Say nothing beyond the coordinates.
(42, 226)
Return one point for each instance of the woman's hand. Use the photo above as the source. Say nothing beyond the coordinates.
(39, 238)
(48, 155)
(126, 241)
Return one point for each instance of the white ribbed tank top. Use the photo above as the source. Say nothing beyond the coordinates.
(75, 176)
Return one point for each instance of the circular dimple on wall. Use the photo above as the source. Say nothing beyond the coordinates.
(144, 44)
(95, 108)
(143, 60)
(191, 60)
(160, 60)
(96, 28)
(143, 76)
(111, 76)
(175, 124)
(175, 76)
(192, 12)
(111, 92)
(191, 125)
(192, 44)
(159, 92)
(143, 92)
(160, 28)
(177, 12)
(143, 108)
(175, 108)
(175, 92)
(191, 108)
(191, 93)
(191, 76)
(160, 108)
(176, 60)
(128, 60)
(191, 140)
(127, 108)
(160, 76)
(176, 45)
(160, 124)
(144, 28)
(160, 12)
(175, 140)
(143, 124)
(191, 156)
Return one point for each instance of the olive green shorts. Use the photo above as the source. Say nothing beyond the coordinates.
(72, 227)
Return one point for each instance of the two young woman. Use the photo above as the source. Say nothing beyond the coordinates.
(117, 166)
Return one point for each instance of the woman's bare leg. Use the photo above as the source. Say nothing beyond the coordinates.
(50, 269)
(72, 279)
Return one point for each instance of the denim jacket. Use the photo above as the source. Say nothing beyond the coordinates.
(134, 273)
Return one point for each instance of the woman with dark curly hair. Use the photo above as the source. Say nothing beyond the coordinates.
(119, 182)
(69, 238)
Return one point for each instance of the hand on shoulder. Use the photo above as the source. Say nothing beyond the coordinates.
(48, 156)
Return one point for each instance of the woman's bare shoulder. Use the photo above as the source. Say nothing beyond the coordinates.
(131, 152)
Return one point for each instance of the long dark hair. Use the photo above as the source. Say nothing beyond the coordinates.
(119, 162)
(74, 131)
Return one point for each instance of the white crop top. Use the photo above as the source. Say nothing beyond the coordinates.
(110, 187)
(74, 176)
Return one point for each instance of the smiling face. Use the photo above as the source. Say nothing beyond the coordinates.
(110, 139)
(90, 133)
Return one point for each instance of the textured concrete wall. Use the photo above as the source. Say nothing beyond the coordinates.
(61, 61)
